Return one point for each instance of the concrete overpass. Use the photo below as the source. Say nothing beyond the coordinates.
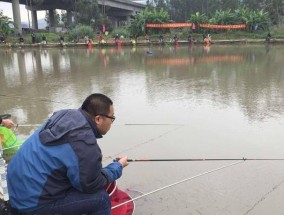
(116, 10)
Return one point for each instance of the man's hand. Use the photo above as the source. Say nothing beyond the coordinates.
(122, 160)
(8, 123)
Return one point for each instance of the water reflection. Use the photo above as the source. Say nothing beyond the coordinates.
(227, 104)
(248, 77)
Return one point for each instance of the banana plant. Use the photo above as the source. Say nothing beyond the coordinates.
(137, 25)
(6, 26)
(198, 18)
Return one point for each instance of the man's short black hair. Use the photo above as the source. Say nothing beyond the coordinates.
(96, 104)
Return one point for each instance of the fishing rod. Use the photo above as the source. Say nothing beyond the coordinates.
(28, 125)
(5, 116)
(133, 124)
(178, 182)
(206, 159)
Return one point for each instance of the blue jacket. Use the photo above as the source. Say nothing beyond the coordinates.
(62, 154)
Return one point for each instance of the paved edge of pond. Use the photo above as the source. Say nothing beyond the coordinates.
(141, 43)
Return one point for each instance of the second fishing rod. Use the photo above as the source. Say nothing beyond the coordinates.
(205, 159)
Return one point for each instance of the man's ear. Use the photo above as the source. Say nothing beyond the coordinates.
(97, 119)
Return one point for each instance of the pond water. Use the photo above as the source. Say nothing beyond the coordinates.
(170, 102)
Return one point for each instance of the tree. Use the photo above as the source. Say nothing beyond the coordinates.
(251, 17)
(103, 20)
(6, 26)
(56, 17)
(256, 4)
(198, 18)
(275, 8)
(228, 4)
(223, 17)
(63, 18)
(261, 18)
(87, 12)
(158, 4)
(137, 25)
(180, 9)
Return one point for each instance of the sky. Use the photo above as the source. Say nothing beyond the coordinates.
(7, 11)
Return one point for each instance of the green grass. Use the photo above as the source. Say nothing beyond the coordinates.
(277, 32)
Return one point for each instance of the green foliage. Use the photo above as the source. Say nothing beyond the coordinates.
(80, 32)
(56, 18)
(63, 18)
(277, 31)
(6, 26)
(103, 20)
(275, 9)
(238, 16)
(148, 15)
(86, 12)
(198, 18)
(121, 31)
(180, 10)
(50, 37)
(223, 17)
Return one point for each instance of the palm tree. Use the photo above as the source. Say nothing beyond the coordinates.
(223, 17)
(137, 25)
(242, 14)
(250, 17)
(198, 18)
(261, 18)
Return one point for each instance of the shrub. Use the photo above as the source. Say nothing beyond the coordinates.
(79, 32)
(121, 31)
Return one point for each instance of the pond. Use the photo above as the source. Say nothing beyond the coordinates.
(171, 103)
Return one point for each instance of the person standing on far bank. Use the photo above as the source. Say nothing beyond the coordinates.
(44, 41)
(58, 169)
(33, 38)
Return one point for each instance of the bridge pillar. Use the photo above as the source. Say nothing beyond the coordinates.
(51, 19)
(128, 18)
(17, 15)
(114, 22)
(69, 17)
(34, 20)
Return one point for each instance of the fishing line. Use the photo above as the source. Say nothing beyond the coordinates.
(11, 147)
(148, 141)
(264, 197)
(176, 183)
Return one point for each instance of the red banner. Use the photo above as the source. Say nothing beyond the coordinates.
(189, 25)
(168, 25)
(240, 26)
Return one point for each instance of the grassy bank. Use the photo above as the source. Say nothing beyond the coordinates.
(277, 32)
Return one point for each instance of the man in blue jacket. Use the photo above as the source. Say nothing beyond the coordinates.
(58, 169)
